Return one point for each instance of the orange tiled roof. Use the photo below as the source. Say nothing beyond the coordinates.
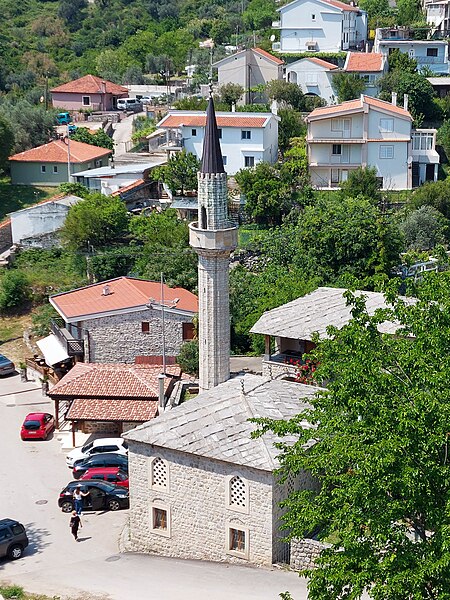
(322, 63)
(357, 104)
(115, 380)
(127, 188)
(56, 152)
(90, 84)
(176, 120)
(364, 61)
(95, 409)
(125, 292)
(342, 5)
(274, 59)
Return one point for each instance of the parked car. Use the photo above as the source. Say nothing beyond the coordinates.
(102, 495)
(128, 104)
(111, 474)
(6, 366)
(13, 539)
(100, 461)
(37, 426)
(63, 118)
(98, 446)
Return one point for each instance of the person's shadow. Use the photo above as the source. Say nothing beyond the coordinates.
(84, 539)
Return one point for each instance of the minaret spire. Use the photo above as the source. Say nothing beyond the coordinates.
(213, 237)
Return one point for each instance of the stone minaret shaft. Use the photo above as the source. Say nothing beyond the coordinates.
(213, 238)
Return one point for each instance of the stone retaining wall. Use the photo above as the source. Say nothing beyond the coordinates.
(304, 553)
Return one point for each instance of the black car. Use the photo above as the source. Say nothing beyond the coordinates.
(102, 496)
(106, 459)
(13, 539)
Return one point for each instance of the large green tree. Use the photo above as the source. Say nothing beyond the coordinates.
(379, 449)
(180, 172)
(6, 142)
(348, 86)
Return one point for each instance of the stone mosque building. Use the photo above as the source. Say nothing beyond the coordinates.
(200, 486)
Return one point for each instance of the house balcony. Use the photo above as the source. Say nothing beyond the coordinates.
(332, 163)
(73, 346)
(429, 60)
(280, 365)
(172, 143)
(335, 140)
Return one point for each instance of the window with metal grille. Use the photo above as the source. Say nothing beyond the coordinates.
(159, 518)
(159, 472)
(238, 492)
(237, 540)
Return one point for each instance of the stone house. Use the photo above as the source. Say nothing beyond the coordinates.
(120, 320)
(111, 398)
(48, 165)
(88, 93)
(201, 487)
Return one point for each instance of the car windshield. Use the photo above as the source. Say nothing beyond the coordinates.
(4, 360)
(32, 425)
(87, 447)
(108, 487)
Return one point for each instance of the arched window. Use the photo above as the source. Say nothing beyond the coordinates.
(238, 493)
(159, 475)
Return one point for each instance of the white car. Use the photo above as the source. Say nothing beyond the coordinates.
(117, 445)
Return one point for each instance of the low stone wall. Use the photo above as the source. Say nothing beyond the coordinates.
(304, 553)
(276, 370)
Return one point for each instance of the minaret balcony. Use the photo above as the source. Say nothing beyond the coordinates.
(214, 240)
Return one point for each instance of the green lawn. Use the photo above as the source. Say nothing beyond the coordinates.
(15, 197)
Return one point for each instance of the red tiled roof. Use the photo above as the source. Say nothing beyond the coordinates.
(115, 380)
(56, 152)
(90, 84)
(95, 409)
(125, 292)
(357, 104)
(322, 63)
(274, 59)
(176, 120)
(364, 61)
(127, 188)
(341, 5)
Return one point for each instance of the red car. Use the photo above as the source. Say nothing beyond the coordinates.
(111, 474)
(37, 426)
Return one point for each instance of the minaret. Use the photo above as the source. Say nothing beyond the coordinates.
(213, 237)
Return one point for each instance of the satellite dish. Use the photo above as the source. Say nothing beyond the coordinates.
(272, 38)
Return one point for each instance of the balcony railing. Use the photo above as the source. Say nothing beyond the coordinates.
(73, 346)
(429, 60)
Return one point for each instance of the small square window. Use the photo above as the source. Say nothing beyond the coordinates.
(220, 134)
(432, 51)
(249, 161)
(337, 125)
(159, 518)
(55, 168)
(386, 125)
(386, 151)
(188, 331)
(224, 158)
(246, 134)
(337, 149)
(237, 541)
(86, 100)
(43, 169)
(194, 132)
(145, 327)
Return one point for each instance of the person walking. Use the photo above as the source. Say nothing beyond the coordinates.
(78, 496)
(75, 523)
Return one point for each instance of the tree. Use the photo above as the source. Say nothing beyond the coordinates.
(100, 138)
(259, 14)
(77, 189)
(379, 450)
(424, 228)
(14, 290)
(31, 125)
(188, 357)
(230, 93)
(180, 172)
(348, 86)
(362, 181)
(401, 61)
(443, 137)
(112, 64)
(409, 11)
(419, 90)
(6, 142)
(291, 125)
(433, 193)
(287, 94)
(97, 221)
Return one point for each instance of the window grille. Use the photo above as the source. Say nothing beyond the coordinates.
(159, 472)
(238, 492)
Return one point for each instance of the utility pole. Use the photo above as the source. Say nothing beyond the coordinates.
(69, 166)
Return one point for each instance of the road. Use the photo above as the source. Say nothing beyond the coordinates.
(122, 134)
(32, 475)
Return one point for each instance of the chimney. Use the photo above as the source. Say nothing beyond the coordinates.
(274, 107)
(106, 291)
(394, 98)
(162, 400)
(103, 87)
(233, 107)
(405, 101)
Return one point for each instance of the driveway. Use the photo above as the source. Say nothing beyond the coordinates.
(33, 473)
(122, 134)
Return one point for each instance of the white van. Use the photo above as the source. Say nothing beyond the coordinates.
(128, 104)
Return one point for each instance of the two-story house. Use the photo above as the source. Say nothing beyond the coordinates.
(428, 53)
(245, 138)
(371, 133)
(249, 68)
(438, 16)
(320, 26)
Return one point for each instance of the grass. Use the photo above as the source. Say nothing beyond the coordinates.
(15, 197)
(12, 343)
(17, 592)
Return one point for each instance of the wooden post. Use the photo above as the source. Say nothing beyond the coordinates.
(267, 347)
(73, 434)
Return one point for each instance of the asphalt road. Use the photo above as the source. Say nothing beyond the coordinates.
(33, 473)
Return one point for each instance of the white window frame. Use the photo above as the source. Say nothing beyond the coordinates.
(241, 509)
(338, 147)
(249, 166)
(337, 124)
(386, 152)
(160, 505)
(239, 527)
(88, 98)
(334, 180)
(55, 169)
(246, 134)
(386, 125)
(155, 486)
(194, 132)
(311, 78)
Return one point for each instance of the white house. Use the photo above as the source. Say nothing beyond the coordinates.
(202, 488)
(113, 178)
(428, 53)
(249, 68)
(314, 76)
(245, 138)
(371, 66)
(38, 226)
(369, 132)
(320, 26)
(438, 16)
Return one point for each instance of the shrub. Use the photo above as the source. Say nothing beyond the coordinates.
(189, 357)
(14, 291)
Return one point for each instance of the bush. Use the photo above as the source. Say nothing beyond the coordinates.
(423, 228)
(42, 318)
(12, 591)
(188, 358)
(14, 291)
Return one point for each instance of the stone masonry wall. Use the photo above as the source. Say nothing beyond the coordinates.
(196, 498)
(120, 338)
(213, 196)
(304, 553)
(274, 370)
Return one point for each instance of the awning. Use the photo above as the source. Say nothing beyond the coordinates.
(52, 349)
